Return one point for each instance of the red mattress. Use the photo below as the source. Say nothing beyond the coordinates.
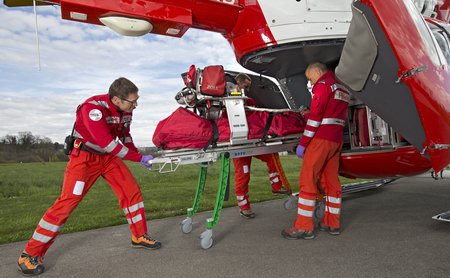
(185, 129)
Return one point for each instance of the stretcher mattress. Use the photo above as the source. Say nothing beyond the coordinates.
(185, 129)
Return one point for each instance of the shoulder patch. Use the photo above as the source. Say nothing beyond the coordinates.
(95, 115)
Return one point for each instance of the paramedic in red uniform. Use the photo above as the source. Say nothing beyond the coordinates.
(242, 165)
(100, 121)
(320, 147)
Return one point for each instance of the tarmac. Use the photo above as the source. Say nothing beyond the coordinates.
(386, 232)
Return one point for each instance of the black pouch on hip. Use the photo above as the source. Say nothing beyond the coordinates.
(68, 144)
(69, 141)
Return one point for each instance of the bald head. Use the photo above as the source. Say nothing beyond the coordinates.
(314, 71)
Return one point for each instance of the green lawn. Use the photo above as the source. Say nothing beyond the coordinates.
(28, 189)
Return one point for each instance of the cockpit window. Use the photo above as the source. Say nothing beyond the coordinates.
(427, 39)
(443, 42)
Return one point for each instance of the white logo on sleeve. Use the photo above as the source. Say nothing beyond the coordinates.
(95, 115)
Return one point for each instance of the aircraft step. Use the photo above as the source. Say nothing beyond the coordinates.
(445, 216)
(366, 185)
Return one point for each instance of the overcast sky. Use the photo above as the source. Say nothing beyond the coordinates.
(80, 60)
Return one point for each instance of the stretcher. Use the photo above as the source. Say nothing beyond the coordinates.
(206, 95)
(169, 160)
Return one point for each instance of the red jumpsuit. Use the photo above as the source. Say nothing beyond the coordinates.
(98, 125)
(323, 137)
(242, 167)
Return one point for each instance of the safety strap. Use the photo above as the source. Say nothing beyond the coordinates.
(300, 119)
(213, 140)
(266, 128)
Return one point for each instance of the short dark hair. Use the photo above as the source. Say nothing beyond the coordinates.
(241, 77)
(122, 88)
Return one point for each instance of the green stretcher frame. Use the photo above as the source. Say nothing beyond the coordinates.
(221, 190)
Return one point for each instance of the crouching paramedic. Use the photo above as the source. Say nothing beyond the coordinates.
(100, 121)
(322, 139)
(242, 165)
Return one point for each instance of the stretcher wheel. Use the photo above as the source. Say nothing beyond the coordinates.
(319, 211)
(186, 225)
(291, 203)
(206, 239)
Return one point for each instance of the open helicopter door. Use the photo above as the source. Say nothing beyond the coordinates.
(392, 62)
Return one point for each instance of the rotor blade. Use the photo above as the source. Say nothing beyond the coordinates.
(23, 3)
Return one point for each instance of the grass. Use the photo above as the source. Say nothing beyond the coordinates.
(28, 189)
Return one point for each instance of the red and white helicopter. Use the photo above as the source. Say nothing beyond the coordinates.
(393, 55)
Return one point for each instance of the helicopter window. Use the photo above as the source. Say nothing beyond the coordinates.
(424, 32)
(443, 42)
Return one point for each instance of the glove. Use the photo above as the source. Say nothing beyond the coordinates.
(300, 151)
(146, 161)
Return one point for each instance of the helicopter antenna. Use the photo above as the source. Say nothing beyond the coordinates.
(37, 35)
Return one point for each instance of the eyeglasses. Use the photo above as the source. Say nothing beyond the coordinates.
(133, 102)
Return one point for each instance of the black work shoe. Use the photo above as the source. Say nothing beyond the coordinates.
(247, 213)
(29, 265)
(145, 241)
(281, 191)
(331, 231)
(293, 233)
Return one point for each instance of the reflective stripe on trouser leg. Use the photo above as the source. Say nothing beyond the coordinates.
(272, 170)
(316, 156)
(332, 211)
(135, 213)
(243, 202)
(82, 169)
(305, 211)
(275, 181)
(242, 167)
(129, 194)
(332, 187)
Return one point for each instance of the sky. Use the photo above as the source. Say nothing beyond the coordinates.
(80, 60)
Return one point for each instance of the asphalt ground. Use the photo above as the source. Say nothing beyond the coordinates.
(386, 232)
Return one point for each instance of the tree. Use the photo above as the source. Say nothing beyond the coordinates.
(26, 140)
(27, 147)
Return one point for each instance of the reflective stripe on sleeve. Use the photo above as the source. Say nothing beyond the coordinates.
(50, 227)
(312, 123)
(308, 133)
(333, 121)
(123, 152)
(336, 86)
(41, 238)
(135, 219)
(111, 146)
(133, 208)
(100, 103)
(307, 202)
(306, 213)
